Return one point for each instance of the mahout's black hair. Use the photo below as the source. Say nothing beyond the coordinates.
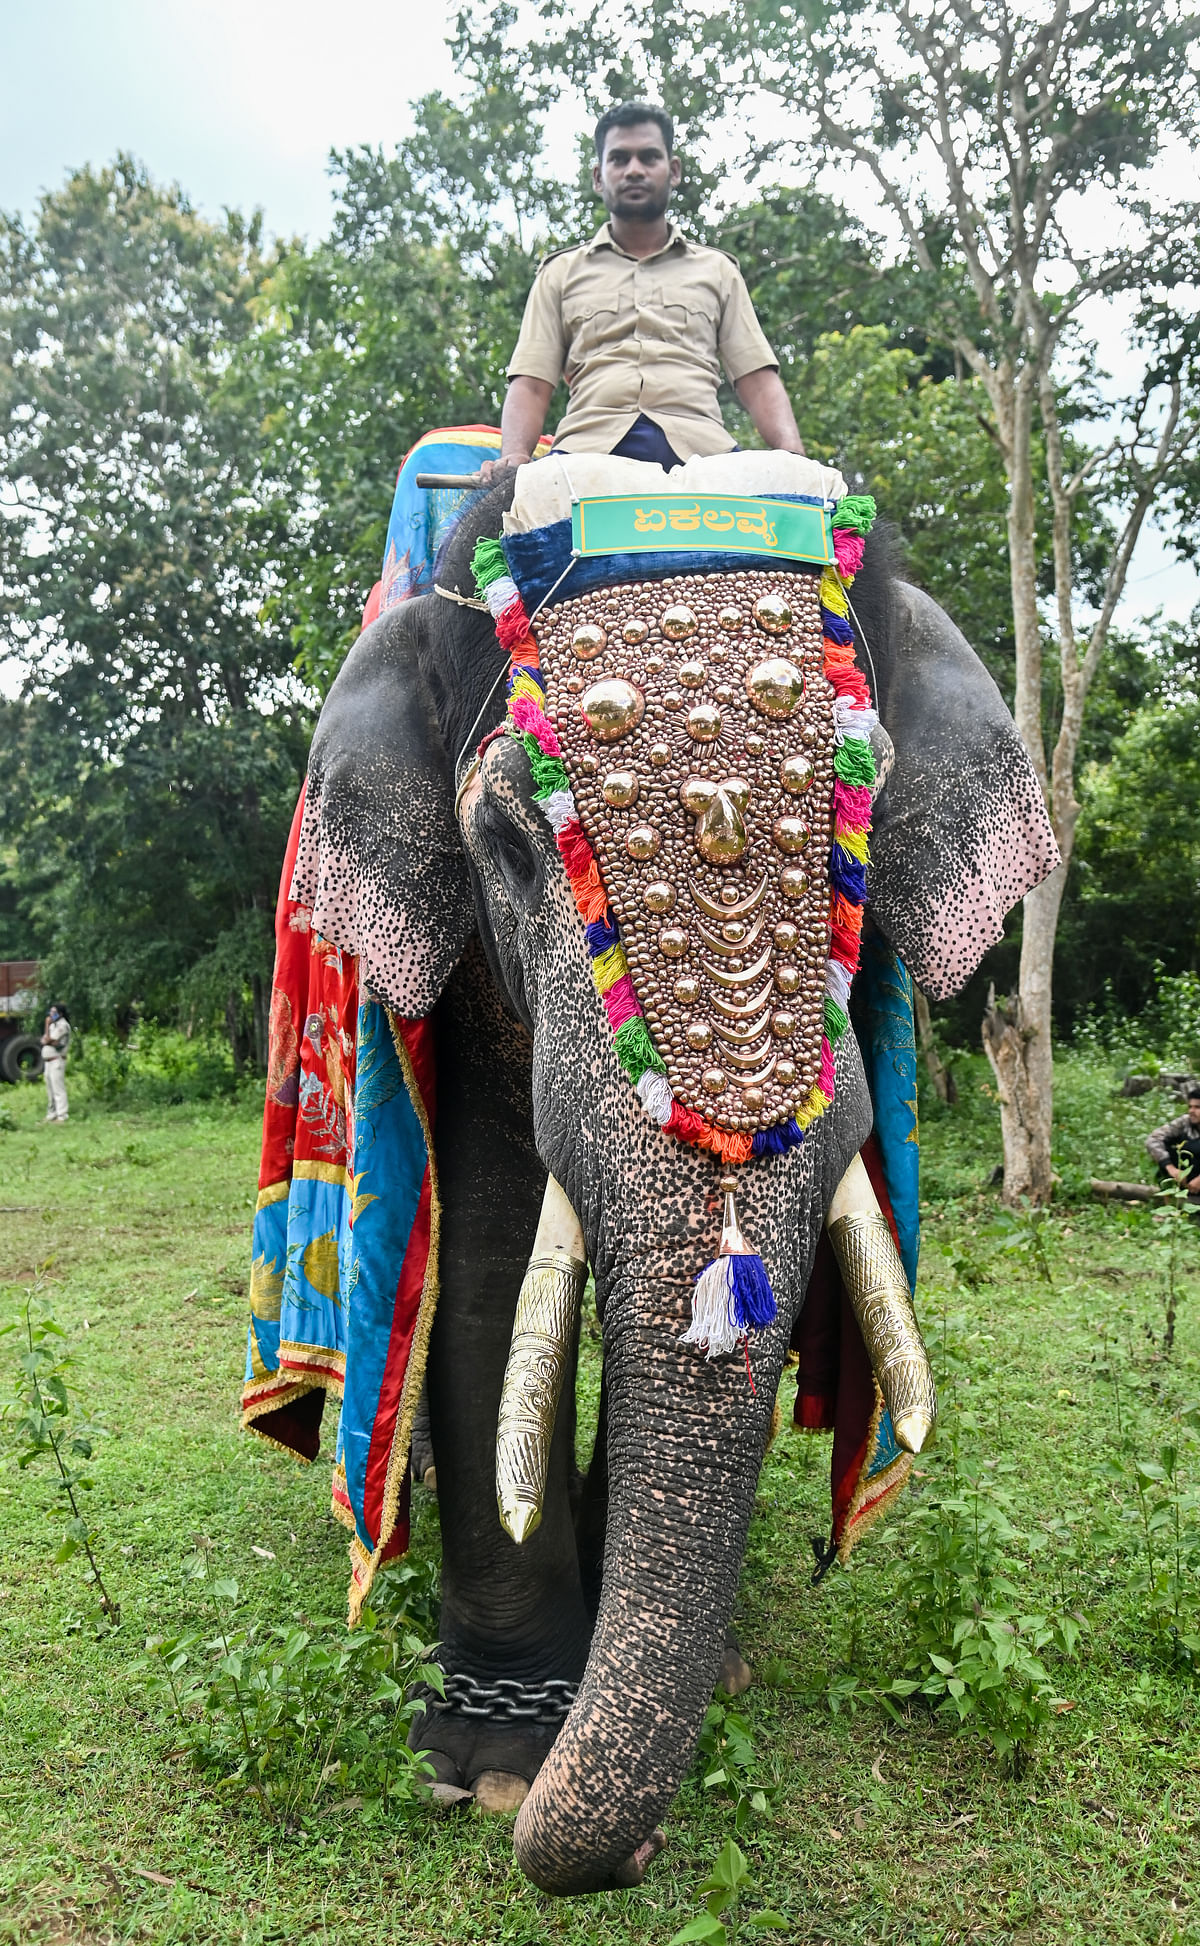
(627, 114)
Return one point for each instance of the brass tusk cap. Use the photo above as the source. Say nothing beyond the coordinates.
(878, 1291)
(544, 1329)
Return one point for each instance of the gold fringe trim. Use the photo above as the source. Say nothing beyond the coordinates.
(366, 1563)
(880, 1491)
(255, 1409)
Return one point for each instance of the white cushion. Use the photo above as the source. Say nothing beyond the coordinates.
(546, 487)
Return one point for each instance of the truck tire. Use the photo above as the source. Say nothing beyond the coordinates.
(21, 1057)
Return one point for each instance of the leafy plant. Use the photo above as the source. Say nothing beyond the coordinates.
(1166, 1579)
(722, 1893)
(291, 1709)
(39, 1408)
(725, 1752)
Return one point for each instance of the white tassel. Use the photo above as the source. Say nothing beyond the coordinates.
(656, 1096)
(850, 720)
(499, 593)
(837, 983)
(558, 809)
(712, 1326)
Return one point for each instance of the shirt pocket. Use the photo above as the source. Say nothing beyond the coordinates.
(688, 319)
(593, 323)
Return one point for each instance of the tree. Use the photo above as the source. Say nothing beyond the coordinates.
(158, 744)
(980, 131)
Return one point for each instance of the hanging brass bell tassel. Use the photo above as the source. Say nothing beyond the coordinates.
(544, 1332)
(878, 1290)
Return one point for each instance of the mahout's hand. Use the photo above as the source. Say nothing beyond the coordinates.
(492, 471)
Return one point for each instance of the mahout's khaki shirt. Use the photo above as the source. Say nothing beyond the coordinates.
(640, 335)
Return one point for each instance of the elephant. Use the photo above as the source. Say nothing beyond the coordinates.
(444, 879)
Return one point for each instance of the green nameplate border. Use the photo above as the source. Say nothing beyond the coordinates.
(632, 523)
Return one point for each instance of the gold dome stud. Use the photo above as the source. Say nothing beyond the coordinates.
(773, 614)
(731, 618)
(642, 842)
(775, 688)
(612, 708)
(692, 674)
(786, 935)
(660, 754)
(787, 978)
(785, 1073)
(659, 896)
(791, 834)
(673, 942)
(796, 774)
(620, 789)
(635, 631)
(793, 882)
(698, 1034)
(687, 990)
(783, 1024)
(714, 1081)
(752, 1099)
(678, 622)
(704, 723)
(588, 641)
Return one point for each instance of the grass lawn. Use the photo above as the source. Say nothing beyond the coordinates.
(879, 1827)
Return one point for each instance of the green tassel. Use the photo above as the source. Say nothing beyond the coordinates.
(487, 563)
(854, 761)
(547, 772)
(836, 1022)
(855, 510)
(635, 1050)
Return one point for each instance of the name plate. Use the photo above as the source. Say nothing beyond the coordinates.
(631, 523)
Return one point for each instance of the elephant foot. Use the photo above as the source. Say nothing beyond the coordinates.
(735, 1674)
(494, 1759)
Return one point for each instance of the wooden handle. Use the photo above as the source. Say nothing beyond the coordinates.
(449, 480)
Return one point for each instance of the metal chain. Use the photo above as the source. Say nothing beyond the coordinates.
(548, 1703)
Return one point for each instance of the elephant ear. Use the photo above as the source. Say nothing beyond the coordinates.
(961, 832)
(380, 860)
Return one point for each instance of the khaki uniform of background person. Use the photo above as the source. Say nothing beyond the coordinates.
(640, 321)
(56, 1038)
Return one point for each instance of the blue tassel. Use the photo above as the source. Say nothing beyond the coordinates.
(753, 1299)
(601, 936)
(778, 1140)
(848, 874)
(836, 627)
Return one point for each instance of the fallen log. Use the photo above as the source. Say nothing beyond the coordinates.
(1127, 1192)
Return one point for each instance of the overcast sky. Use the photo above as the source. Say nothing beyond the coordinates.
(240, 101)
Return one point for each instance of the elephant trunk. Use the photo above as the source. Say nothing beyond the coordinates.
(685, 1443)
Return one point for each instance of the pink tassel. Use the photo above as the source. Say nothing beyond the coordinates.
(621, 1002)
(825, 1079)
(848, 551)
(527, 716)
(852, 805)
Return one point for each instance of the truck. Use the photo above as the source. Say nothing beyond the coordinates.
(20, 1052)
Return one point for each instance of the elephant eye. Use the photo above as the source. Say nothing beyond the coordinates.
(514, 857)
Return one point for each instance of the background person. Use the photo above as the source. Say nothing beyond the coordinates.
(640, 321)
(1175, 1147)
(56, 1039)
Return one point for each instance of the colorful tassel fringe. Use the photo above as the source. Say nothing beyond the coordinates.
(733, 1294)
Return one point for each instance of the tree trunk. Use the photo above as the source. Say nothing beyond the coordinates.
(939, 1073)
(1018, 1042)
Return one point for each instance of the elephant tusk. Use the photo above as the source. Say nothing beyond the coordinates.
(878, 1290)
(544, 1328)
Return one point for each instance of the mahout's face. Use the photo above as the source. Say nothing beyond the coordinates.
(636, 177)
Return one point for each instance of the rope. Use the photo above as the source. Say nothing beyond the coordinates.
(464, 601)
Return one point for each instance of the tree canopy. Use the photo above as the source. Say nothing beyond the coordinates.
(199, 430)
